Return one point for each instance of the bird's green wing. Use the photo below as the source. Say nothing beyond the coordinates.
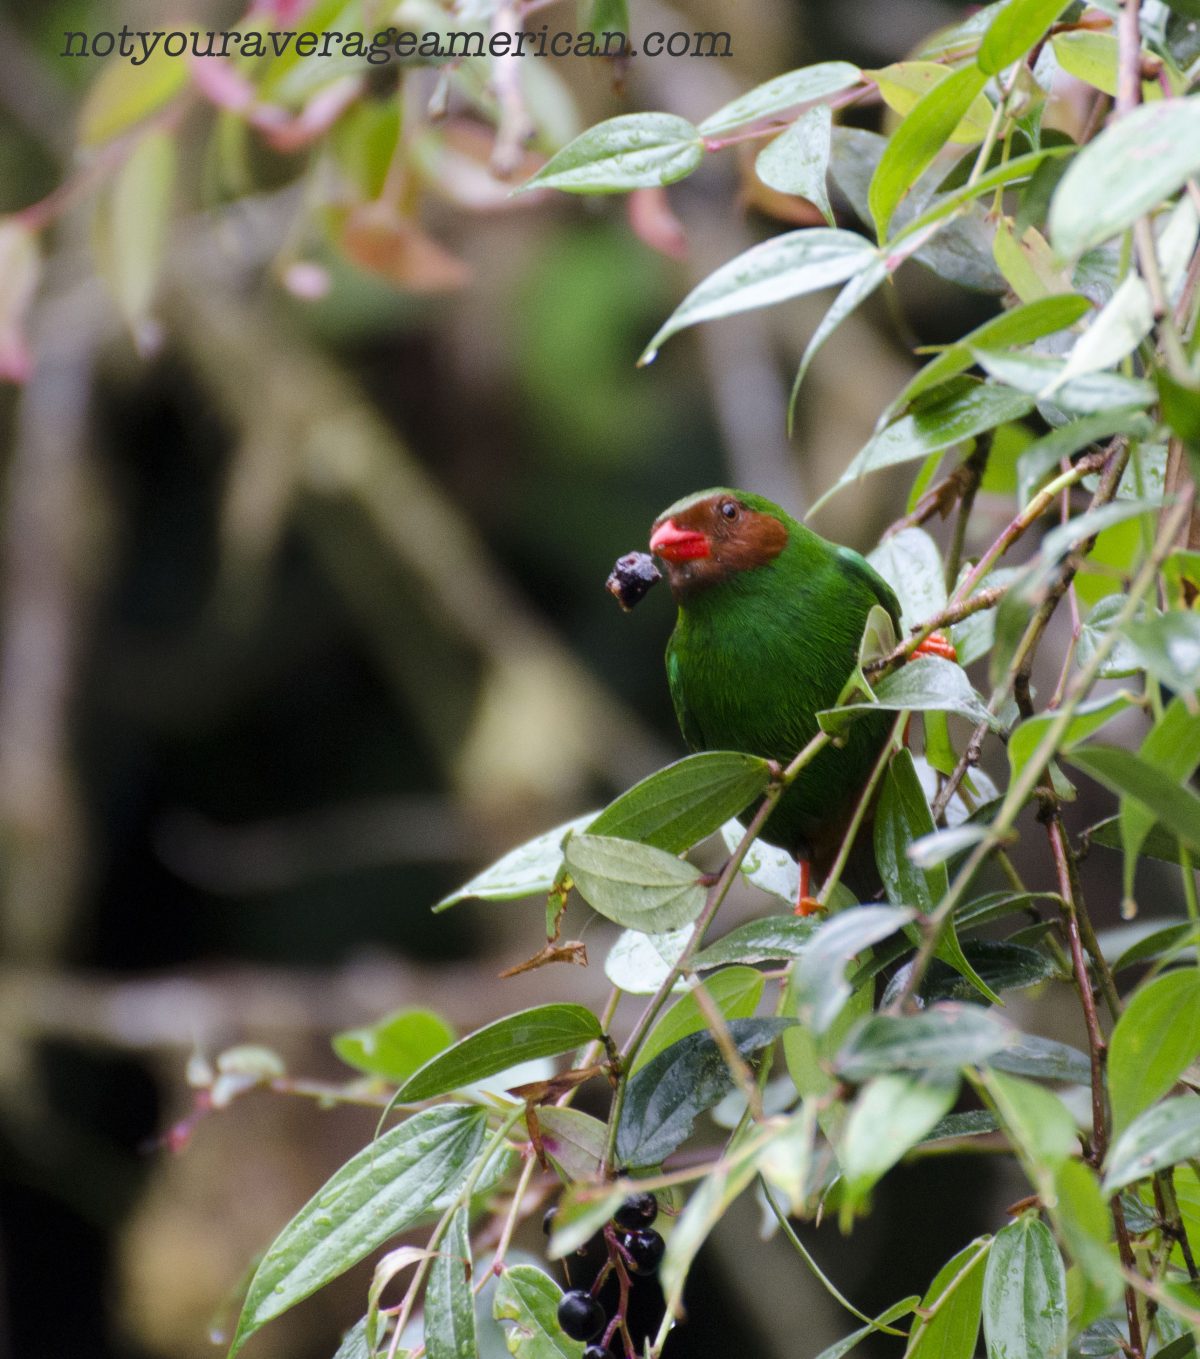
(688, 725)
(857, 568)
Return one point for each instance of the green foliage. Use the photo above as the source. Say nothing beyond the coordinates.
(1063, 426)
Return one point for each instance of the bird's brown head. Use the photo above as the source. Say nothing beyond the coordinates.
(707, 537)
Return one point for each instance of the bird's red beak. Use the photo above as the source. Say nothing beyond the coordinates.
(675, 544)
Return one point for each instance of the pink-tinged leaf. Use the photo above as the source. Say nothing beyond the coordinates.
(20, 269)
(315, 119)
(222, 84)
(655, 224)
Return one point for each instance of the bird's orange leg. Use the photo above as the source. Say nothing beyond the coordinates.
(937, 644)
(806, 905)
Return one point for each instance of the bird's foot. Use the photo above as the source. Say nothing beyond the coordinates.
(937, 644)
(809, 906)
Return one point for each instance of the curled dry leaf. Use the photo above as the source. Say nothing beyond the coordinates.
(375, 239)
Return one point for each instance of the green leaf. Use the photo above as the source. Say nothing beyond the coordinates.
(378, 1193)
(911, 564)
(719, 1188)
(784, 92)
(1045, 454)
(1045, 1058)
(1019, 25)
(1153, 1043)
(945, 1037)
(1153, 942)
(735, 991)
(902, 817)
(1115, 331)
(123, 94)
(131, 228)
(634, 885)
(1089, 717)
(947, 1324)
(681, 805)
(1128, 170)
(768, 867)
(1164, 1135)
(449, 1302)
(1173, 746)
(842, 1347)
(526, 871)
(1090, 57)
(1086, 394)
(529, 1299)
(852, 296)
(638, 963)
(1023, 324)
(928, 684)
(964, 410)
(764, 940)
(582, 1212)
(396, 1046)
(819, 982)
(797, 161)
(1025, 1294)
(1131, 776)
(890, 1115)
(997, 964)
(786, 266)
(634, 151)
(1168, 646)
(904, 84)
(665, 1097)
(1085, 1225)
(543, 1031)
(1037, 1123)
(918, 139)
(574, 1141)
(1121, 659)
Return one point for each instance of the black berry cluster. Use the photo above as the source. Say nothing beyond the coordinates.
(580, 1314)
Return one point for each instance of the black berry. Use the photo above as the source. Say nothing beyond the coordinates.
(596, 1352)
(632, 576)
(580, 1315)
(548, 1220)
(639, 1210)
(645, 1251)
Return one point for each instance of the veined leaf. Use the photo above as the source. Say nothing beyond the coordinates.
(523, 872)
(665, 1097)
(945, 1037)
(797, 161)
(1125, 172)
(1025, 1294)
(374, 1196)
(1130, 776)
(890, 1115)
(1018, 26)
(918, 139)
(947, 1324)
(963, 411)
(784, 92)
(543, 1031)
(634, 885)
(905, 83)
(633, 151)
(819, 982)
(786, 266)
(677, 807)
(529, 1298)
(735, 991)
(397, 1045)
(1164, 1135)
(1153, 1043)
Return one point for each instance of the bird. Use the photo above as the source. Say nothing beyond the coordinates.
(769, 623)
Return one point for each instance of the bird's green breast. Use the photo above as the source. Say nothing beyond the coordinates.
(754, 659)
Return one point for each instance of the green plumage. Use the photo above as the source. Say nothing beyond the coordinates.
(756, 655)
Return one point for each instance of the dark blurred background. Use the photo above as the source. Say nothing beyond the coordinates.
(304, 623)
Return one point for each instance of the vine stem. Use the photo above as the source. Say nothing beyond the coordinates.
(1024, 784)
(717, 894)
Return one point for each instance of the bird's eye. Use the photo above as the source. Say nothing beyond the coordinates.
(729, 509)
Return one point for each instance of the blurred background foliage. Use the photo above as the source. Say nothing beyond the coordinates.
(323, 450)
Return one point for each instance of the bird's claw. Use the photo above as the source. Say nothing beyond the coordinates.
(809, 906)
